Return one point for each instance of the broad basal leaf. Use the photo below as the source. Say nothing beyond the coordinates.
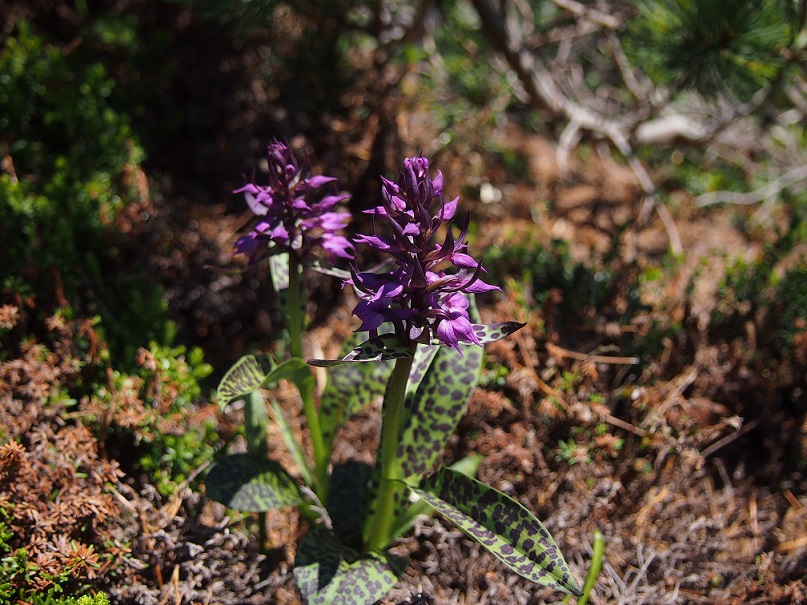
(379, 348)
(501, 525)
(347, 504)
(250, 484)
(329, 573)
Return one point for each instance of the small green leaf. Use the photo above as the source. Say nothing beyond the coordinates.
(246, 375)
(500, 524)
(279, 270)
(254, 485)
(379, 348)
(329, 573)
(251, 372)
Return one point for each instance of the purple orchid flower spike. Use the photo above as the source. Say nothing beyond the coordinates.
(296, 212)
(424, 295)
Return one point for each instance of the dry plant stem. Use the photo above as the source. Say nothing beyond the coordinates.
(383, 519)
(309, 408)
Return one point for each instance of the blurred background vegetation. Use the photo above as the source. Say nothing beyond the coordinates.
(117, 119)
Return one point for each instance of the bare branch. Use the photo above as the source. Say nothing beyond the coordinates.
(797, 175)
(592, 14)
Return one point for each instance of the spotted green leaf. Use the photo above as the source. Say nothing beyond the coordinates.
(251, 372)
(379, 348)
(329, 573)
(349, 494)
(350, 387)
(440, 385)
(436, 407)
(246, 375)
(406, 517)
(251, 484)
(492, 332)
(500, 524)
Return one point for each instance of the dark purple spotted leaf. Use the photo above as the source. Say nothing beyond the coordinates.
(246, 375)
(251, 372)
(492, 332)
(329, 573)
(349, 495)
(350, 387)
(501, 525)
(435, 409)
(379, 348)
(251, 484)
(468, 465)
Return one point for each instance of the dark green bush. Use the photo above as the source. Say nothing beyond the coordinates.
(70, 159)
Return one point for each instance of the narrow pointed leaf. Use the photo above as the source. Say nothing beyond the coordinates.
(469, 465)
(246, 375)
(379, 348)
(492, 332)
(251, 372)
(329, 270)
(329, 573)
(250, 484)
(292, 443)
(500, 524)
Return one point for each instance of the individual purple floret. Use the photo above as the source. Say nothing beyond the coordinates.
(418, 296)
(295, 212)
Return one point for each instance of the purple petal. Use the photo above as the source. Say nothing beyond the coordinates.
(329, 201)
(338, 246)
(463, 260)
(448, 210)
(379, 243)
(255, 205)
(478, 286)
(319, 181)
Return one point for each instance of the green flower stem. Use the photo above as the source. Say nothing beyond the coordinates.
(295, 325)
(382, 523)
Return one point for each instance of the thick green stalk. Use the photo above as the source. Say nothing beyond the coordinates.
(295, 326)
(382, 523)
